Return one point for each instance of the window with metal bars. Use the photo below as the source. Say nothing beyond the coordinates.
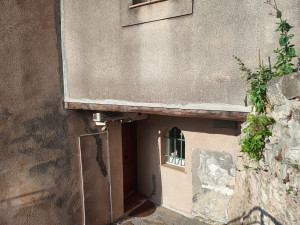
(175, 147)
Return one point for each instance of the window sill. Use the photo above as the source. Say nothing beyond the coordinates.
(171, 166)
(145, 3)
(164, 9)
(175, 161)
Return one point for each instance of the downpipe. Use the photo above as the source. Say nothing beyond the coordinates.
(104, 131)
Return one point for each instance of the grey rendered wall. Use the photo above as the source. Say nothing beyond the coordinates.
(39, 158)
(182, 62)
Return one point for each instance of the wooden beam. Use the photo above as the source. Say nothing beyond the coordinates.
(196, 113)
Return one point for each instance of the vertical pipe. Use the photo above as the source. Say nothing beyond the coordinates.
(298, 68)
(169, 146)
(181, 148)
(109, 172)
(109, 175)
(174, 157)
(83, 205)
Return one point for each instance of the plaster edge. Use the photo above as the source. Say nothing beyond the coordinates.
(63, 51)
(200, 106)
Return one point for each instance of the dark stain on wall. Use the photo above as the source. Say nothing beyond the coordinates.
(5, 113)
(26, 151)
(39, 164)
(43, 168)
(43, 130)
(153, 192)
(98, 140)
(61, 201)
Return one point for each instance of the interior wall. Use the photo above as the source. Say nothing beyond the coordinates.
(116, 165)
(166, 185)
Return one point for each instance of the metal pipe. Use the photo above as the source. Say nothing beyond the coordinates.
(109, 172)
(82, 184)
(81, 173)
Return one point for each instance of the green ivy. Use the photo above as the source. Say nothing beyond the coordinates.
(255, 133)
(258, 86)
(258, 124)
(286, 52)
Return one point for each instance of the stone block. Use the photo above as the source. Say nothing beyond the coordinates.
(213, 176)
(274, 92)
(294, 130)
(283, 171)
(296, 115)
(276, 135)
(270, 159)
(290, 86)
(293, 155)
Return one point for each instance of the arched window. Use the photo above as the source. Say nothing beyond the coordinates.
(175, 147)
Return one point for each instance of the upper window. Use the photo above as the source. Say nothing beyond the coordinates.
(137, 3)
(144, 11)
(176, 147)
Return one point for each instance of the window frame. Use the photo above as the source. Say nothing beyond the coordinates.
(143, 3)
(153, 12)
(174, 160)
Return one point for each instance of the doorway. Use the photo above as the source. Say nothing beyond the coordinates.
(129, 154)
(135, 203)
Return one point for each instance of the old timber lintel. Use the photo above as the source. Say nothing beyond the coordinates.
(196, 113)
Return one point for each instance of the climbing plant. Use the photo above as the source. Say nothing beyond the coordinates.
(255, 133)
(257, 127)
(286, 52)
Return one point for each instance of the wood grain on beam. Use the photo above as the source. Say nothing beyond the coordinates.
(197, 113)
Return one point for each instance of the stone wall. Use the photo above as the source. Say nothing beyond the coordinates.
(213, 185)
(271, 195)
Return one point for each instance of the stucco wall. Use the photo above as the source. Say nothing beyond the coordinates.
(171, 187)
(39, 156)
(94, 150)
(182, 62)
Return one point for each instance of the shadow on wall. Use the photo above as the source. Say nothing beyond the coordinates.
(30, 198)
(259, 217)
(171, 185)
(148, 162)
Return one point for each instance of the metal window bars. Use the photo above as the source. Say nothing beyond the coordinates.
(175, 141)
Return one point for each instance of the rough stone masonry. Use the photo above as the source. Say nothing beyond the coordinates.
(271, 195)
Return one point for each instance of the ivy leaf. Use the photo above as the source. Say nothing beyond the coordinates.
(291, 52)
(288, 69)
(278, 14)
(280, 57)
(283, 40)
(258, 137)
(246, 100)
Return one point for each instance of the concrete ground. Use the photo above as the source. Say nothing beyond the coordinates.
(161, 216)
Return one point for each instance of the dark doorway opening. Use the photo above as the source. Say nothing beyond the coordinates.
(135, 203)
(129, 146)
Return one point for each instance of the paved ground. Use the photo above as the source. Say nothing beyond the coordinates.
(161, 216)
